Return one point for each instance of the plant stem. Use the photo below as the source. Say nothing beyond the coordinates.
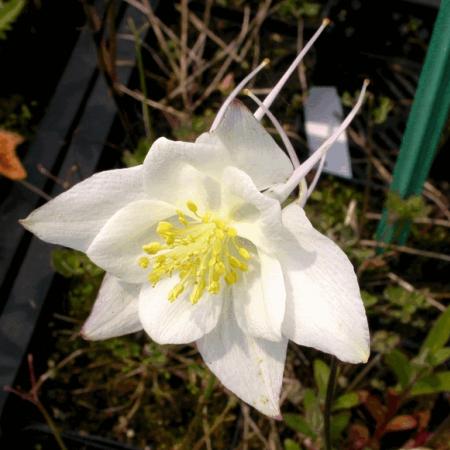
(328, 404)
(52, 425)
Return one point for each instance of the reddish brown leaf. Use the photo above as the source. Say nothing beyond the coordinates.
(401, 423)
(358, 436)
(376, 409)
(423, 418)
(10, 165)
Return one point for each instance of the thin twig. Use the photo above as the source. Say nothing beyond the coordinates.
(142, 82)
(198, 48)
(226, 64)
(184, 52)
(35, 189)
(363, 374)
(154, 104)
(404, 249)
(156, 24)
(417, 220)
(201, 26)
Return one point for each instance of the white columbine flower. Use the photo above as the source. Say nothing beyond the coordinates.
(195, 249)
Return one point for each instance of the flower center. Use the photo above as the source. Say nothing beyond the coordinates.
(205, 252)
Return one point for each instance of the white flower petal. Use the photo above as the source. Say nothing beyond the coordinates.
(115, 311)
(178, 322)
(255, 216)
(251, 368)
(259, 299)
(169, 175)
(118, 245)
(75, 217)
(250, 146)
(324, 309)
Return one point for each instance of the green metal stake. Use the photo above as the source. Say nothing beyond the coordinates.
(423, 130)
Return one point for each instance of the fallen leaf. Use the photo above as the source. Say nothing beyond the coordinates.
(10, 165)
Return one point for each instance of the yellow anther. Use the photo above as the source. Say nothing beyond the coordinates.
(214, 287)
(244, 252)
(219, 268)
(152, 248)
(164, 227)
(234, 262)
(192, 206)
(202, 252)
(143, 262)
(197, 292)
(220, 224)
(176, 291)
(182, 218)
(231, 277)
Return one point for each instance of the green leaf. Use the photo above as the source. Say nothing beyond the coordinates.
(439, 356)
(321, 375)
(289, 444)
(381, 112)
(438, 335)
(432, 384)
(339, 423)
(368, 299)
(137, 156)
(346, 401)
(71, 263)
(299, 424)
(313, 414)
(8, 14)
(399, 364)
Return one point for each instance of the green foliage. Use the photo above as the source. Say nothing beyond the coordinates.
(384, 341)
(398, 362)
(346, 401)
(405, 305)
(71, 263)
(196, 125)
(289, 9)
(417, 376)
(406, 209)
(339, 423)
(299, 424)
(321, 375)
(137, 156)
(439, 334)
(15, 115)
(432, 384)
(9, 12)
(438, 357)
(327, 206)
(313, 413)
(368, 299)
(289, 444)
(381, 109)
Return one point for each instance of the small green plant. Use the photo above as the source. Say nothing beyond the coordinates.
(297, 8)
(137, 156)
(9, 12)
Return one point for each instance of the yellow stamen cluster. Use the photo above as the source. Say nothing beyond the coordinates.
(203, 251)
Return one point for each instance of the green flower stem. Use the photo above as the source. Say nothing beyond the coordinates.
(329, 403)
